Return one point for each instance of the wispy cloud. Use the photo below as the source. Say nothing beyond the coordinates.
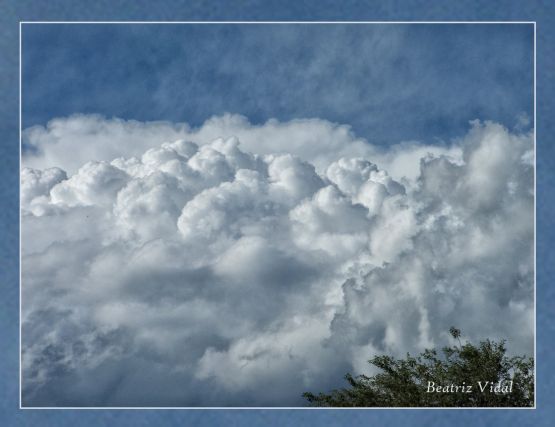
(390, 82)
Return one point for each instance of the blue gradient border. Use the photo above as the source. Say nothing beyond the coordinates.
(14, 11)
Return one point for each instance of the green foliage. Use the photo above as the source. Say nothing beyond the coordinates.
(406, 382)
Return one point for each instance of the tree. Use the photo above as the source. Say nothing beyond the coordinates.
(430, 380)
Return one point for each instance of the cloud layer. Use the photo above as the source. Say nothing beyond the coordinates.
(240, 265)
(428, 80)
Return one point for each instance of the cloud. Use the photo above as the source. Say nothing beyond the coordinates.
(70, 142)
(240, 265)
(428, 80)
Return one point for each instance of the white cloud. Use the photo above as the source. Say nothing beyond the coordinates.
(70, 142)
(241, 265)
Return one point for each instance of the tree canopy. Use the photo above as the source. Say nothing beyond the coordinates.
(441, 380)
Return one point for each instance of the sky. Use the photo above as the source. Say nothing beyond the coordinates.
(211, 210)
(430, 80)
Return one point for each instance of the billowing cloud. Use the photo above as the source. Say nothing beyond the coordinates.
(317, 141)
(240, 265)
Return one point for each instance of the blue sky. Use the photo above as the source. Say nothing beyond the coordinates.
(389, 82)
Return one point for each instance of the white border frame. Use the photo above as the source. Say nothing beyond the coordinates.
(21, 23)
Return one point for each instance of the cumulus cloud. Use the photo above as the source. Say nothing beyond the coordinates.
(240, 265)
(70, 142)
